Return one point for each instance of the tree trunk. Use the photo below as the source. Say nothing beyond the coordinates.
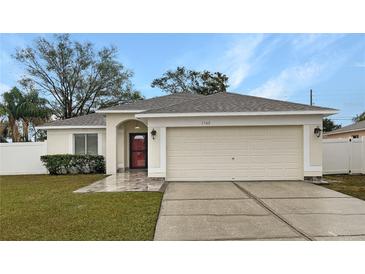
(15, 136)
(25, 130)
(69, 108)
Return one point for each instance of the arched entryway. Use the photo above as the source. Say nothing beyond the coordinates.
(131, 145)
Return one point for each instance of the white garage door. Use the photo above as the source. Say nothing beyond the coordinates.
(234, 153)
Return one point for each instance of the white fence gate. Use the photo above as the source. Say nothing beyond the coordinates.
(344, 156)
(22, 158)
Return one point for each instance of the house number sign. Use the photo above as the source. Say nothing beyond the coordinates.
(206, 123)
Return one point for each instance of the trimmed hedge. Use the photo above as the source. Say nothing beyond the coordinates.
(73, 164)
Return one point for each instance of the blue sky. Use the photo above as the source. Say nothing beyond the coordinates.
(280, 66)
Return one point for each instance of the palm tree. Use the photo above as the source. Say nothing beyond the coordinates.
(4, 131)
(10, 107)
(27, 109)
(34, 111)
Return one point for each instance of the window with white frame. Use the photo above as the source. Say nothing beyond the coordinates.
(86, 144)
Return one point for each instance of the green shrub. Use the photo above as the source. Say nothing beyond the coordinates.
(73, 164)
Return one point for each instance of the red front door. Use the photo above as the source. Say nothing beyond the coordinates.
(138, 150)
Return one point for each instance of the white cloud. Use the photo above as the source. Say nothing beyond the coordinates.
(320, 60)
(237, 61)
(290, 79)
(312, 43)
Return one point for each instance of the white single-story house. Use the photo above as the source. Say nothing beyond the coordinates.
(188, 137)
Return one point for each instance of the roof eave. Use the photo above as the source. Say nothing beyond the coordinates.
(69, 127)
(261, 113)
(119, 111)
(341, 132)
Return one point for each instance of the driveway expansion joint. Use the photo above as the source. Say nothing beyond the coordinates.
(329, 213)
(262, 203)
(208, 199)
(256, 239)
(341, 235)
(217, 215)
(299, 198)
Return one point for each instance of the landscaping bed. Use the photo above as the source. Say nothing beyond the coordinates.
(44, 207)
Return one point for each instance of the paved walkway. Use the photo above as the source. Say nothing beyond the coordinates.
(258, 211)
(126, 181)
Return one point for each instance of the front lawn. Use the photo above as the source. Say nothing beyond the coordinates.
(43, 207)
(353, 185)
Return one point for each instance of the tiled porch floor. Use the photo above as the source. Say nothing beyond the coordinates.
(126, 181)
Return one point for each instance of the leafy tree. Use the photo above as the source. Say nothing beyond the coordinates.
(78, 79)
(329, 125)
(185, 80)
(360, 117)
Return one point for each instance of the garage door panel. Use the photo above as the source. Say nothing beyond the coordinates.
(242, 144)
(239, 167)
(234, 153)
(239, 162)
(254, 150)
(206, 147)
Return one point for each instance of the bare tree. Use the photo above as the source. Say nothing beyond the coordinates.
(78, 79)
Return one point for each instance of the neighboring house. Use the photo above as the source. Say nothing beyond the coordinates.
(356, 130)
(185, 137)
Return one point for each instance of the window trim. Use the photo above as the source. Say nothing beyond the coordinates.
(85, 143)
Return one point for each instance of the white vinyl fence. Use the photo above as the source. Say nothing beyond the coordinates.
(344, 156)
(22, 158)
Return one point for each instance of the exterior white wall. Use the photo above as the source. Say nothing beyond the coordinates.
(154, 149)
(341, 156)
(312, 146)
(22, 158)
(61, 141)
(121, 157)
(312, 151)
(157, 152)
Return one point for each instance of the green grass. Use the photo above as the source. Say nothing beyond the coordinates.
(43, 207)
(353, 185)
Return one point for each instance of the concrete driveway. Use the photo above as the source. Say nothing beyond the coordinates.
(258, 211)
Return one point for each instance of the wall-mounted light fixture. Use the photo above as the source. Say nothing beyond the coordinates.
(317, 131)
(153, 133)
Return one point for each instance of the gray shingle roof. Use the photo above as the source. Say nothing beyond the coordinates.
(233, 102)
(190, 103)
(357, 126)
(98, 119)
(156, 102)
(94, 119)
